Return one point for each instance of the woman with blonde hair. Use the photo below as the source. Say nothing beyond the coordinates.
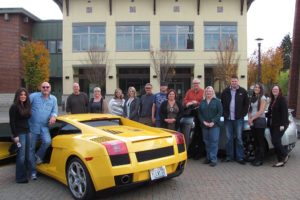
(210, 112)
(132, 105)
(116, 104)
(98, 104)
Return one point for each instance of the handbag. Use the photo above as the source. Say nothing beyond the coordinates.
(260, 122)
(13, 149)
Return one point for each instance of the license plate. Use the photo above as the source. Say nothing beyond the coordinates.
(158, 173)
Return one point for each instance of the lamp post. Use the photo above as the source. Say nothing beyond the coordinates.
(259, 63)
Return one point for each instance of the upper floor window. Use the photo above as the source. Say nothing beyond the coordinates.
(133, 37)
(218, 36)
(59, 47)
(177, 37)
(53, 46)
(86, 37)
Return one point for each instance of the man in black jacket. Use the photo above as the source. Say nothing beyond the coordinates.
(235, 106)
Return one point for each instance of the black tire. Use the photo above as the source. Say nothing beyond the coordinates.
(79, 180)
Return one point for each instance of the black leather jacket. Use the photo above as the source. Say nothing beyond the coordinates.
(241, 102)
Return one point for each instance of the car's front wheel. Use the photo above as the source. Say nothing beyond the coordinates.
(79, 180)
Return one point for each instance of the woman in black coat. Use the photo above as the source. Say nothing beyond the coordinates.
(19, 113)
(171, 111)
(278, 122)
(131, 105)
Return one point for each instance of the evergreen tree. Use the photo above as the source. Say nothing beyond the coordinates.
(286, 46)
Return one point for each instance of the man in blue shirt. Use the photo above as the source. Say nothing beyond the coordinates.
(158, 98)
(43, 113)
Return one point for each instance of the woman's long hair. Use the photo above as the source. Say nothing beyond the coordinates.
(255, 97)
(24, 108)
(279, 94)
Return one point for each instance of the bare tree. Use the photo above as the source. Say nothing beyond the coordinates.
(98, 66)
(227, 62)
(163, 64)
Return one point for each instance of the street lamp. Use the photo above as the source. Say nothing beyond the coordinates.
(259, 63)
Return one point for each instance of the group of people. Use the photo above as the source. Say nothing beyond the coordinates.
(30, 116)
(164, 110)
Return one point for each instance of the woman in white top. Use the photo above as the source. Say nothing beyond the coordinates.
(116, 104)
(257, 122)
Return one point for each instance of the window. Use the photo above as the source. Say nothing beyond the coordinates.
(59, 46)
(219, 35)
(102, 122)
(51, 46)
(86, 37)
(133, 37)
(177, 37)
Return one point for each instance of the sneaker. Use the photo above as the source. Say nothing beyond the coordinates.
(38, 160)
(227, 160)
(279, 164)
(206, 161)
(286, 159)
(242, 162)
(257, 163)
(22, 181)
(33, 177)
(212, 164)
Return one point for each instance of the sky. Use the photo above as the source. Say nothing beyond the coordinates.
(267, 19)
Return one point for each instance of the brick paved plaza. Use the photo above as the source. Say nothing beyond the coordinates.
(230, 181)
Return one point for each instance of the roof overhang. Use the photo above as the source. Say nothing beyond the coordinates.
(249, 2)
(18, 11)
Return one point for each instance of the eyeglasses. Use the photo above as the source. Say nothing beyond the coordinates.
(46, 87)
(196, 83)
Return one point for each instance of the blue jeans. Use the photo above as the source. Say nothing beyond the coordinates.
(46, 142)
(211, 140)
(157, 123)
(234, 129)
(23, 157)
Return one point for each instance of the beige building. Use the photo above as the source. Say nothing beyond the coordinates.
(126, 30)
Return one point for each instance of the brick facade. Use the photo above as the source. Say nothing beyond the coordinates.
(11, 34)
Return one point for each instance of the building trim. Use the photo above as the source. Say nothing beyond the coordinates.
(17, 11)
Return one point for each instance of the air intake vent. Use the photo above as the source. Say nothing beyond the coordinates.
(132, 9)
(176, 9)
(112, 131)
(100, 139)
(6, 17)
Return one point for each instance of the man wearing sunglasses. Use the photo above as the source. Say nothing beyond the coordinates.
(43, 113)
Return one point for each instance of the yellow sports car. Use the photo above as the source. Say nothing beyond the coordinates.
(6, 147)
(98, 152)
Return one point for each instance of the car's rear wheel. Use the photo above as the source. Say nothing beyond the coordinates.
(79, 180)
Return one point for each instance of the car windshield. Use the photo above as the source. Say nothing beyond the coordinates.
(102, 122)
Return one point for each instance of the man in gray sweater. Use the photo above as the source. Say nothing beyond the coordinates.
(78, 101)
